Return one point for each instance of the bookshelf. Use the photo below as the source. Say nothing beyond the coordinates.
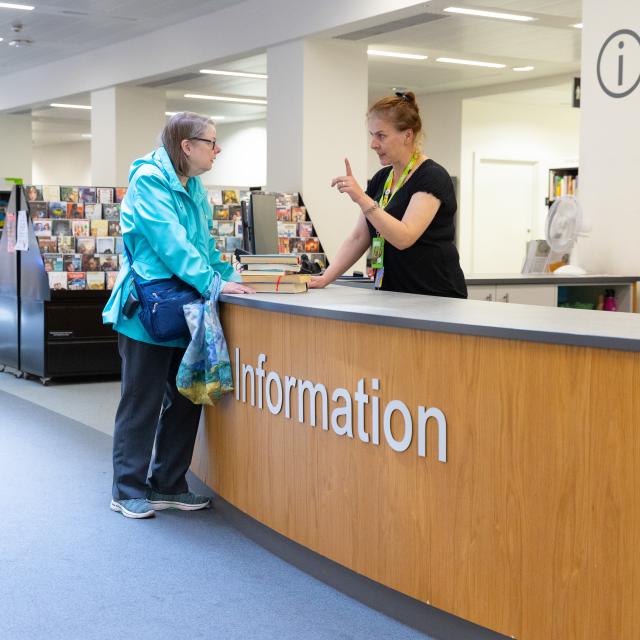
(563, 181)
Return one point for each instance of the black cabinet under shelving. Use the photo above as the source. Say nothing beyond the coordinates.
(65, 336)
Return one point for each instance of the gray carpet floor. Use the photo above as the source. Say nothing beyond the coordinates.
(72, 569)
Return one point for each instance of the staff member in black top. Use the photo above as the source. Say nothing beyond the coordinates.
(407, 210)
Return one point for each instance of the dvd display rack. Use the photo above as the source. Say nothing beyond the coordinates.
(9, 285)
(296, 233)
(71, 260)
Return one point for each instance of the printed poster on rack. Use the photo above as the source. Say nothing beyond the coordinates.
(22, 236)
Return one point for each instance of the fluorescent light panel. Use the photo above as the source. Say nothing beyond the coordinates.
(472, 63)
(489, 14)
(199, 96)
(62, 105)
(22, 7)
(85, 135)
(236, 74)
(528, 68)
(577, 26)
(394, 54)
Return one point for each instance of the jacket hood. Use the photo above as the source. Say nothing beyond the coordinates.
(160, 160)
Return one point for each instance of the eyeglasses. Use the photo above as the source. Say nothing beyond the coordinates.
(211, 142)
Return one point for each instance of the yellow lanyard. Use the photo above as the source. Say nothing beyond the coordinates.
(386, 192)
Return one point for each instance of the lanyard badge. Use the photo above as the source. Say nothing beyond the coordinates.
(377, 243)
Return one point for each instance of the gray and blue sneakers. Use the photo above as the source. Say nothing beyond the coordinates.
(133, 508)
(184, 501)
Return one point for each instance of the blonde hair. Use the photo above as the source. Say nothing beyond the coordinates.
(401, 110)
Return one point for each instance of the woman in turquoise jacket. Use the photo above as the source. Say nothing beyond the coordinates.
(165, 221)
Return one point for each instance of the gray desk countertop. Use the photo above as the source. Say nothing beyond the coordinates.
(579, 327)
(545, 278)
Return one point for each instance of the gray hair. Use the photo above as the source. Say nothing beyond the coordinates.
(182, 126)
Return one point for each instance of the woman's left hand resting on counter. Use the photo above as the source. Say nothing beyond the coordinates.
(236, 287)
(402, 234)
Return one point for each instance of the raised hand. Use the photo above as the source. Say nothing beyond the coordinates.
(348, 184)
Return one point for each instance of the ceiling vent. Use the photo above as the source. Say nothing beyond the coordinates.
(387, 27)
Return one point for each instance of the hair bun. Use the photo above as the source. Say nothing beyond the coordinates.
(410, 97)
(406, 96)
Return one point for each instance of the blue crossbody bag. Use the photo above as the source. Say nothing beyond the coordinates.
(160, 304)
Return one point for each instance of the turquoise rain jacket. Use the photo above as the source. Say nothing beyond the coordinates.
(167, 230)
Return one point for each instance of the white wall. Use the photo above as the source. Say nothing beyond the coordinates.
(242, 163)
(15, 140)
(62, 164)
(547, 134)
(243, 160)
(610, 149)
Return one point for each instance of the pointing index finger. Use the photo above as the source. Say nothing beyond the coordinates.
(348, 167)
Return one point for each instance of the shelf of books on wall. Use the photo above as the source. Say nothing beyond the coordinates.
(296, 233)
(78, 233)
(562, 182)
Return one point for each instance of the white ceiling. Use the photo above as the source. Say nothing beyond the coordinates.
(63, 28)
(549, 44)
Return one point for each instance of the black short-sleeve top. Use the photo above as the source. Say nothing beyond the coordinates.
(431, 265)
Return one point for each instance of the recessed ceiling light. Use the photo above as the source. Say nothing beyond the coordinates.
(85, 135)
(394, 54)
(22, 7)
(472, 63)
(239, 74)
(199, 96)
(577, 26)
(529, 68)
(489, 14)
(173, 113)
(20, 42)
(62, 105)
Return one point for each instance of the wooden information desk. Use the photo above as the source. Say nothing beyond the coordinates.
(483, 459)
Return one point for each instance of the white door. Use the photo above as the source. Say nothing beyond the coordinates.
(504, 205)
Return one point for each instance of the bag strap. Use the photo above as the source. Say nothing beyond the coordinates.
(216, 286)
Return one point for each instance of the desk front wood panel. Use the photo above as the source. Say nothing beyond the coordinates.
(531, 527)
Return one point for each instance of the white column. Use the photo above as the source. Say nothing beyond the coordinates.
(125, 124)
(609, 189)
(317, 95)
(15, 160)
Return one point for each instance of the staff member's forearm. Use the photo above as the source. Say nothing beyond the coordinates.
(401, 233)
(349, 252)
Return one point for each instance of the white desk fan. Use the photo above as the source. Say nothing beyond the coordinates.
(564, 226)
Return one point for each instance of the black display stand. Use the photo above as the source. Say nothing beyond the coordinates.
(51, 334)
(9, 291)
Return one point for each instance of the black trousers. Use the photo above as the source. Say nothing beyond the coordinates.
(151, 411)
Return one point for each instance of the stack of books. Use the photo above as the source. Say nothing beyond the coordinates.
(273, 273)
